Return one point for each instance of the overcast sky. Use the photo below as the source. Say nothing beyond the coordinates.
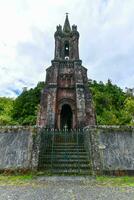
(27, 40)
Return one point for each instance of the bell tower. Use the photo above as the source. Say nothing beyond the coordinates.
(66, 99)
(66, 42)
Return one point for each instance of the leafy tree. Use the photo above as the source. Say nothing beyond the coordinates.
(129, 109)
(107, 117)
(111, 104)
(6, 107)
(26, 105)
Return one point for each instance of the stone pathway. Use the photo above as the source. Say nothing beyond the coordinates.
(65, 188)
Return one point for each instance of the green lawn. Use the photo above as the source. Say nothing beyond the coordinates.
(30, 179)
(115, 181)
(15, 179)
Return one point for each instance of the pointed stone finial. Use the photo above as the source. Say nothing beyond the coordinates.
(67, 27)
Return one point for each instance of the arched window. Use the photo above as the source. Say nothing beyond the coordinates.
(66, 50)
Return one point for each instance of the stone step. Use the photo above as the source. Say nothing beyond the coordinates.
(66, 161)
(68, 153)
(71, 156)
(61, 153)
(66, 158)
(60, 159)
(68, 171)
(64, 154)
(68, 146)
(69, 150)
(65, 143)
(66, 166)
(73, 161)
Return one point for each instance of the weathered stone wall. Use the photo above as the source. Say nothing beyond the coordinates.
(91, 143)
(111, 148)
(18, 148)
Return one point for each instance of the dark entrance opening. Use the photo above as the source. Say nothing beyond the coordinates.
(66, 117)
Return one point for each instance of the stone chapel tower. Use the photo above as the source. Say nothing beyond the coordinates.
(66, 99)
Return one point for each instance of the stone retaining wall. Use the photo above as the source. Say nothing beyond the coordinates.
(18, 148)
(111, 148)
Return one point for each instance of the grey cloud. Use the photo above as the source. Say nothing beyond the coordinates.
(106, 41)
(37, 51)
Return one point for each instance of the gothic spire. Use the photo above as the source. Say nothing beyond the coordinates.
(66, 27)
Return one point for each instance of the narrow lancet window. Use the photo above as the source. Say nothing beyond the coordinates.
(66, 50)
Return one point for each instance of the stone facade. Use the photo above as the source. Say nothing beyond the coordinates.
(66, 99)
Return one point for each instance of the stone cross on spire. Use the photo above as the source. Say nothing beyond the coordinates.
(67, 27)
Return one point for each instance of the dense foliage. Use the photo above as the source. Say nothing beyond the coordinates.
(112, 105)
(6, 107)
(25, 107)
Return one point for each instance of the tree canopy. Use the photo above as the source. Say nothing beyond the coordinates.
(112, 105)
(25, 106)
(6, 107)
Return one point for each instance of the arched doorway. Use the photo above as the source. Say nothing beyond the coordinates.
(66, 116)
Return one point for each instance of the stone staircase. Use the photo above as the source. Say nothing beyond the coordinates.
(66, 158)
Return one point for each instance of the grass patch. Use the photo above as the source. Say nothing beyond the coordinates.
(16, 179)
(30, 180)
(115, 181)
